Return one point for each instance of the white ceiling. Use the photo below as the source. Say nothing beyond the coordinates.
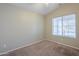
(42, 8)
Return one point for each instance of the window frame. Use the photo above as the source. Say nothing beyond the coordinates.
(62, 25)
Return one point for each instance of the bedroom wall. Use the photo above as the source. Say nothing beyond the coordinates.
(64, 9)
(18, 27)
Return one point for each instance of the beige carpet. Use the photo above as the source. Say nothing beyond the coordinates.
(44, 48)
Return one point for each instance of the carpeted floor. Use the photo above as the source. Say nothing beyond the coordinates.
(44, 48)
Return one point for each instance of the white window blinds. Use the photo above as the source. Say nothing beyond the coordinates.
(64, 26)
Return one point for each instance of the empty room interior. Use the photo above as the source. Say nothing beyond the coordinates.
(39, 29)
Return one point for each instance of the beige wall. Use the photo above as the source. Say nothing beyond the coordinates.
(64, 9)
(18, 27)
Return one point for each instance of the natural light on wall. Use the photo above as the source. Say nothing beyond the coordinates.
(64, 26)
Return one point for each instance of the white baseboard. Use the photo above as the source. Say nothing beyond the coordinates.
(21, 47)
(35, 43)
(64, 44)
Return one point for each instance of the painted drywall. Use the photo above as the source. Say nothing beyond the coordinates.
(64, 9)
(18, 27)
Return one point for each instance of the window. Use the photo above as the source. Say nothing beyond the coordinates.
(64, 26)
(57, 24)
